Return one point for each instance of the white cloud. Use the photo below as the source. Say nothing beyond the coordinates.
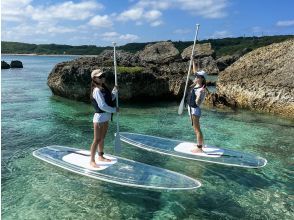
(140, 16)
(114, 36)
(67, 11)
(101, 21)
(152, 15)
(285, 23)
(38, 31)
(156, 5)
(128, 37)
(131, 14)
(110, 34)
(150, 11)
(221, 34)
(156, 23)
(14, 10)
(206, 9)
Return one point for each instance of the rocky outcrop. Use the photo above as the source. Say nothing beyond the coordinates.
(208, 64)
(225, 61)
(122, 57)
(4, 65)
(203, 56)
(72, 80)
(163, 73)
(159, 53)
(201, 50)
(16, 64)
(261, 80)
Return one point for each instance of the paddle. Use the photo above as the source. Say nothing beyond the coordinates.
(117, 145)
(181, 107)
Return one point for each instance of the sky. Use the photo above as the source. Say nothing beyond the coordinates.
(100, 22)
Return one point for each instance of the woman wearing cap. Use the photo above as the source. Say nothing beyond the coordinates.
(103, 102)
(196, 98)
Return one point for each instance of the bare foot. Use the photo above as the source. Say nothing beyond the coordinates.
(93, 164)
(101, 158)
(197, 150)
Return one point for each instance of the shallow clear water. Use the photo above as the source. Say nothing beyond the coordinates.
(31, 189)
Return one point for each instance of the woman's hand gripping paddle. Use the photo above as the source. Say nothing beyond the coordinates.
(181, 107)
(117, 144)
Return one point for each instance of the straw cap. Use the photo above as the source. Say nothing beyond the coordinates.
(96, 73)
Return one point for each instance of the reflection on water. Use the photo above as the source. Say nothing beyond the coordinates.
(31, 189)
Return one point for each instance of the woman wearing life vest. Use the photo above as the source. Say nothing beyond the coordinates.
(103, 102)
(195, 99)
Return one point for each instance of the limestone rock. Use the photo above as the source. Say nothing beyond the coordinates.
(208, 64)
(16, 64)
(72, 80)
(262, 80)
(225, 61)
(201, 50)
(4, 65)
(122, 58)
(159, 53)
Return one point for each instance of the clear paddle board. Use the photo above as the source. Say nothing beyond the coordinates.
(119, 171)
(184, 149)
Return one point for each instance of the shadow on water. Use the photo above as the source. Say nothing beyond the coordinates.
(249, 178)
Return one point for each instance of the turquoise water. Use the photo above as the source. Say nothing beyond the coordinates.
(31, 189)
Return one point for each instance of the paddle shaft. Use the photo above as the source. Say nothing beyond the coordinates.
(115, 83)
(181, 107)
(117, 146)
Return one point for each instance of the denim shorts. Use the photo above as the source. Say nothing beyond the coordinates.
(101, 117)
(195, 111)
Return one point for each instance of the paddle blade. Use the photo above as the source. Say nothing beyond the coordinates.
(117, 144)
(181, 107)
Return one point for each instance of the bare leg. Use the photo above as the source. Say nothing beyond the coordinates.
(96, 140)
(198, 133)
(101, 143)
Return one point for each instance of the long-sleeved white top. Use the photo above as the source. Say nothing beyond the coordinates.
(99, 98)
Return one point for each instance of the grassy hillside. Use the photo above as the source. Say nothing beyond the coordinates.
(226, 46)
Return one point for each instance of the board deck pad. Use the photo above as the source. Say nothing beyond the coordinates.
(209, 151)
(176, 148)
(120, 171)
(84, 160)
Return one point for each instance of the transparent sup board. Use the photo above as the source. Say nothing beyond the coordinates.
(119, 171)
(183, 149)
